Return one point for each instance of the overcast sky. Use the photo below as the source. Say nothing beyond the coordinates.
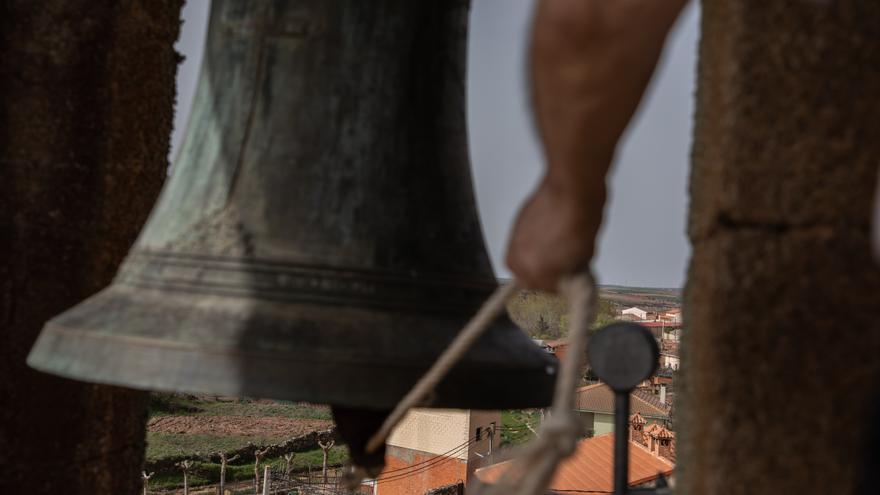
(643, 241)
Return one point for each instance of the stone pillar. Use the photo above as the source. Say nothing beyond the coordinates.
(86, 97)
(782, 300)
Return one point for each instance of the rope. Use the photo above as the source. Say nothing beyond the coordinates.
(532, 472)
(463, 341)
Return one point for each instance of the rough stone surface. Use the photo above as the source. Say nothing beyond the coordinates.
(786, 115)
(782, 299)
(87, 95)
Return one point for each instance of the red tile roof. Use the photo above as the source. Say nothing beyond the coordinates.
(600, 398)
(661, 324)
(662, 433)
(590, 467)
(637, 419)
(649, 397)
(652, 428)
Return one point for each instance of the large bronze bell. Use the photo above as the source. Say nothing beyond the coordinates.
(318, 239)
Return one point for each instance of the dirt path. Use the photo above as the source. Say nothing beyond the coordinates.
(236, 425)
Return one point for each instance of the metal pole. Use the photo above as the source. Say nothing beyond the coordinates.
(621, 442)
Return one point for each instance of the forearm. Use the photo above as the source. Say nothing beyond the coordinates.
(591, 61)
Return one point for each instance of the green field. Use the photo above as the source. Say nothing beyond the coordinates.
(163, 404)
(513, 426)
(182, 444)
(205, 473)
(162, 445)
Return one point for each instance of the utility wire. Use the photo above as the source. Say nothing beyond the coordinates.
(455, 450)
(447, 453)
(427, 465)
(415, 472)
(436, 461)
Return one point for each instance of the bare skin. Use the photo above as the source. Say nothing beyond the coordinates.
(590, 62)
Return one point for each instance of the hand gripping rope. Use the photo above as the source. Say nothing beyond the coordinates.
(535, 466)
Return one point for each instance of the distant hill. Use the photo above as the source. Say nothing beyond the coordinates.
(648, 298)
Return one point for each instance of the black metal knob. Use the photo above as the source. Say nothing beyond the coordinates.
(622, 355)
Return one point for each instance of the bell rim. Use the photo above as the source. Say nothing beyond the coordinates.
(93, 370)
(114, 358)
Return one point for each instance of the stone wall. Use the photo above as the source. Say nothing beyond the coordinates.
(781, 305)
(245, 454)
(86, 106)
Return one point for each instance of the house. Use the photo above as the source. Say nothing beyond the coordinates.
(658, 394)
(669, 354)
(433, 448)
(557, 347)
(595, 406)
(663, 330)
(657, 439)
(634, 312)
(670, 346)
(672, 315)
(670, 360)
(590, 467)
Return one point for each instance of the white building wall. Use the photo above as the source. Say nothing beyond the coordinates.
(641, 313)
(438, 431)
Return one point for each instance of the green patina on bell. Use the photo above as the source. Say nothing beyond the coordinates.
(318, 239)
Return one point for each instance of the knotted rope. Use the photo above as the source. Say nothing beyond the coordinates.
(534, 469)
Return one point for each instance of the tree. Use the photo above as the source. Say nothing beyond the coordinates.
(146, 478)
(325, 447)
(288, 464)
(541, 327)
(605, 314)
(539, 313)
(258, 456)
(223, 461)
(185, 466)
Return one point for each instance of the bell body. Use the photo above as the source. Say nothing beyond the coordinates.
(318, 238)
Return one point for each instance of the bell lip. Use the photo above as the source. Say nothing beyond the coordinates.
(56, 354)
(117, 359)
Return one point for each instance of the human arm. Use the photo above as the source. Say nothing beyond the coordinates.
(590, 62)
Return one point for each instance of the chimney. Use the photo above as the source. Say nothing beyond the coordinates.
(665, 449)
(663, 394)
(650, 436)
(636, 428)
(661, 443)
(664, 443)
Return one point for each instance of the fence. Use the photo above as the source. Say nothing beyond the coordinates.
(297, 444)
(302, 484)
